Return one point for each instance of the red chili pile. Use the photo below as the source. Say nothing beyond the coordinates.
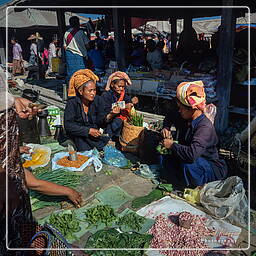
(169, 234)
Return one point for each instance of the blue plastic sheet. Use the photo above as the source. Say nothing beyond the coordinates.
(114, 157)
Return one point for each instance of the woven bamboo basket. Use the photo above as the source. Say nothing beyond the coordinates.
(131, 137)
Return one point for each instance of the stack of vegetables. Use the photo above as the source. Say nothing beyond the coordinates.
(111, 238)
(60, 177)
(67, 223)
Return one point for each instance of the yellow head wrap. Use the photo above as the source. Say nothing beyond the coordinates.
(79, 78)
(118, 75)
(191, 94)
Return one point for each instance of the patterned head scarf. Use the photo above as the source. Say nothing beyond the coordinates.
(191, 94)
(115, 76)
(79, 78)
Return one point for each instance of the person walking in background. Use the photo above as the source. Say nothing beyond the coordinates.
(52, 54)
(17, 57)
(33, 50)
(75, 45)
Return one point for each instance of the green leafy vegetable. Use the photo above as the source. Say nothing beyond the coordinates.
(144, 200)
(166, 187)
(100, 214)
(131, 220)
(67, 223)
(136, 119)
(111, 238)
(162, 150)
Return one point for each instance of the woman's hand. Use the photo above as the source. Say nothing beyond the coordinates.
(74, 196)
(166, 133)
(23, 109)
(94, 132)
(128, 105)
(24, 149)
(135, 100)
(115, 110)
(167, 143)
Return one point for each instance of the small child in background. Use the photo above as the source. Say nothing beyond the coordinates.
(45, 58)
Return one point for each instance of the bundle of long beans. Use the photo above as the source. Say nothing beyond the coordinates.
(60, 177)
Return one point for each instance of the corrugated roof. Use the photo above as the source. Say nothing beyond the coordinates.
(33, 17)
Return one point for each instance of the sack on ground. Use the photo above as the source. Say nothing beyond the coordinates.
(226, 200)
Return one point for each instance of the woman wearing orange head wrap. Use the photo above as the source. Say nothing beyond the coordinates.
(193, 161)
(114, 93)
(83, 114)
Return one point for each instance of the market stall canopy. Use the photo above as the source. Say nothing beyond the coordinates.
(208, 25)
(33, 17)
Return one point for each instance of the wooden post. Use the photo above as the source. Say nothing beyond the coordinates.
(119, 38)
(224, 69)
(62, 29)
(128, 34)
(173, 23)
(2, 47)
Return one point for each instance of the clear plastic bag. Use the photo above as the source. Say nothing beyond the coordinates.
(210, 112)
(226, 200)
(94, 159)
(114, 157)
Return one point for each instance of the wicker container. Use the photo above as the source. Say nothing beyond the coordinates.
(131, 137)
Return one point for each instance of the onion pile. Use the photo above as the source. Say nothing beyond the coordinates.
(168, 233)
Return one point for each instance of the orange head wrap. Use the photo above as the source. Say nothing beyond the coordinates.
(118, 75)
(191, 94)
(79, 78)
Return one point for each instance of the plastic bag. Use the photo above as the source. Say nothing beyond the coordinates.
(41, 153)
(226, 199)
(94, 158)
(114, 157)
(210, 112)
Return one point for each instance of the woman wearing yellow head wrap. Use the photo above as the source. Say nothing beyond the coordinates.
(194, 160)
(83, 114)
(115, 94)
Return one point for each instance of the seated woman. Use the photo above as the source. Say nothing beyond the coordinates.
(83, 113)
(193, 161)
(115, 92)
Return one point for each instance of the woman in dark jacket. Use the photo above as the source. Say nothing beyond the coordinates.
(83, 114)
(193, 161)
(115, 94)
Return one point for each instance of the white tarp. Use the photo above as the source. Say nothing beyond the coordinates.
(168, 204)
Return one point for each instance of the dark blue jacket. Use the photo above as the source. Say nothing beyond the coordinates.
(201, 141)
(110, 97)
(76, 122)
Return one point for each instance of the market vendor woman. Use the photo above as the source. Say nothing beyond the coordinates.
(193, 161)
(115, 93)
(83, 113)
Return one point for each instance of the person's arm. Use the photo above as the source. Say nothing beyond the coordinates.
(202, 137)
(71, 126)
(51, 189)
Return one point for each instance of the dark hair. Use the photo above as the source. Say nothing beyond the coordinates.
(185, 106)
(74, 22)
(117, 80)
(14, 39)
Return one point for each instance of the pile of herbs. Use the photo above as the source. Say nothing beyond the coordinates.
(60, 177)
(131, 220)
(67, 223)
(111, 238)
(100, 214)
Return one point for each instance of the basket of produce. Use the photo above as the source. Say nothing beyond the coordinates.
(132, 133)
